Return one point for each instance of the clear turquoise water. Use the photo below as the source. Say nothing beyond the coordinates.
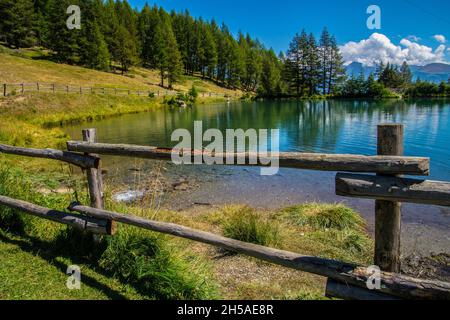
(305, 126)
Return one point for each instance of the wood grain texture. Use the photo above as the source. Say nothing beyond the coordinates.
(94, 225)
(393, 189)
(388, 214)
(311, 161)
(77, 159)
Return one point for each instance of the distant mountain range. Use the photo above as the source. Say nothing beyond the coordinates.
(433, 72)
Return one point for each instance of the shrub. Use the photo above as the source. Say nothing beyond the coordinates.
(145, 261)
(244, 224)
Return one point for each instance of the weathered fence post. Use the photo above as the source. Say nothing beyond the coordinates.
(53, 88)
(23, 89)
(37, 86)
(388, 213)
(4, 89)
(90, 135)
(95, 180)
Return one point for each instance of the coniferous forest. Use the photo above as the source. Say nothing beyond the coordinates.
(114, 37)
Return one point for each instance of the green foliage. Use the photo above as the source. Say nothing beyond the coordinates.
(183, 99)
(427, 89)
(309, 66)
(244, 224)
(18, 23)
(361, 88)
(145, 261)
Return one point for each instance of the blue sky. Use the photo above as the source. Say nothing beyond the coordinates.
(275, 22)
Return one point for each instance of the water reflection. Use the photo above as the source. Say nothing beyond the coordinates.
(305, 126)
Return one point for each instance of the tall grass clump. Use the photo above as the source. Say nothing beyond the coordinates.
(331, 230)
(245, 224)
(324, 216)
(149, 264)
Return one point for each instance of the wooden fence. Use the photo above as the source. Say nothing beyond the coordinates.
(21, 88)
(345, 280)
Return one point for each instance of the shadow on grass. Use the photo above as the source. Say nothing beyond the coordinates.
(50, 251)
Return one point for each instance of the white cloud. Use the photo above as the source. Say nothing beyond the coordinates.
(440, 38)
(413, 38)
(378, 47)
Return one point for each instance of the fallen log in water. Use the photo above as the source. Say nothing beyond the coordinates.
(77, 159)
(391, 284)
(94, 225)
(393, 188)
(311, 161)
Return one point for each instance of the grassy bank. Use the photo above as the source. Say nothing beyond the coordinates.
(137, 264)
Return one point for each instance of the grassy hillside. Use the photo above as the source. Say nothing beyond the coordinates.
(25, 117)
(28, 66)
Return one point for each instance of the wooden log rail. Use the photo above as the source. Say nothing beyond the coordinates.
(310, 161)
(393, 189)
(80, 160)
(90, 224)
(391, 284)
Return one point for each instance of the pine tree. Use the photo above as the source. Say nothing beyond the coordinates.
(312, 65)
(18, 25)
(110, 26)
(337, 71)
(209, 55)
(173, 63)
(324, 53)
(61, 40)
(406, 73)
(93, 50)
(270, 84)
(379, 70)
(296, 63)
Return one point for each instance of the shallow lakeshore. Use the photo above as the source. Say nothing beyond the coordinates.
(305, 126)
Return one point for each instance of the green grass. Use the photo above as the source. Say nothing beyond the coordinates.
(245, 224)
(134, 264)
(330, 230)
(146, 261)
(324, 216)
(137, 264)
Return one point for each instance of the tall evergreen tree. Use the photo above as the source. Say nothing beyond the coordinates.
(312, 65)
(62, 41)
(406, 73)
(324, 54)
(337, 71)
(18, 23)
(296, 63)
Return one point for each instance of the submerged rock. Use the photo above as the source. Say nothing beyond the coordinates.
(128, 196)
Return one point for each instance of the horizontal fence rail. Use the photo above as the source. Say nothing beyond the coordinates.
(310, 161)
(16, 88)
(392, 284)
(80, 160)
(94, 225)
(393, 188)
